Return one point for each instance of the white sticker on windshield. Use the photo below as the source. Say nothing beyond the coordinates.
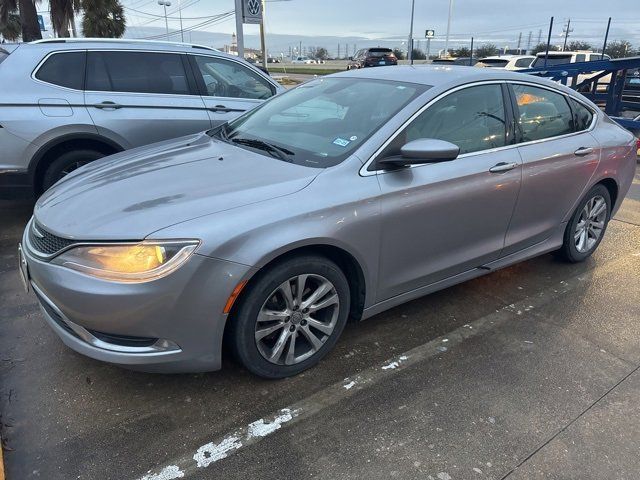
(353, 138)
(341, 142)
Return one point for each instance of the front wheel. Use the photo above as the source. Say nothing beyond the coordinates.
(291, 316)
(587, 225)
(67, 163)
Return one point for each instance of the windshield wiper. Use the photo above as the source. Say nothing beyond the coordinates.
(274, 150)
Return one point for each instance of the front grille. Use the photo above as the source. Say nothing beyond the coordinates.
(45, 242)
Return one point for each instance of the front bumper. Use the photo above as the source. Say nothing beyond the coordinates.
(173, 324)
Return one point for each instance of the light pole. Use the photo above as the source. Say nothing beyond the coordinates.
(410, 44)
(446, 41)
(165, 4)
(180, 14)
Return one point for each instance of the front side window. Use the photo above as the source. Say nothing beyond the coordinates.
(472, 118)
(551, 60)
(320, 123)
(226, 78)
(136, 72)
(541, 113)
(64, 69)
(582, 116)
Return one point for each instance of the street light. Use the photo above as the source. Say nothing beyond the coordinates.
(446, 41)
(165, 4)
(410, 44)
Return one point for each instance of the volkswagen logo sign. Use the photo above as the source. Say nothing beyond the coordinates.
(253, 7)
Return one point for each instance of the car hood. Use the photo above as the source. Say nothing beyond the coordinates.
(132, 194)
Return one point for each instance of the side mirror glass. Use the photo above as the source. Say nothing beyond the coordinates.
(423, 150)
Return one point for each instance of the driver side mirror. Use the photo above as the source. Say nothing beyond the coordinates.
(421, 151)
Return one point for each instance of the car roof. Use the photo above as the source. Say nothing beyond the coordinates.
(506, 57)
(54, 44)
(434, 75)
(566, 52)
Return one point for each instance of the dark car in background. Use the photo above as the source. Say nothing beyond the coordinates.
(372, 57)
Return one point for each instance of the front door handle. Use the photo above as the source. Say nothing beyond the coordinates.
(225, 109)
(107, 105)
(503, 167)
(582, 151)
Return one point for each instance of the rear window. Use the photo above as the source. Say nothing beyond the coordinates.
(523, 62)
(379, 52)
(137, 72)
(64, 69)
(494, 62)
(552, 60)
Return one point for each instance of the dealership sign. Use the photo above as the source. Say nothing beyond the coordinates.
(251, 11)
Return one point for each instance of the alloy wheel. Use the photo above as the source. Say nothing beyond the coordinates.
(297, 319)
(590, 224)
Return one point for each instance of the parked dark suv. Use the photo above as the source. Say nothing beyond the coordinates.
(372, 57)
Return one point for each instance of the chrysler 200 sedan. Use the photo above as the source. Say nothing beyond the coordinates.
(339, 199)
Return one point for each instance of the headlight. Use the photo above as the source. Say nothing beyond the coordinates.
(128, 262)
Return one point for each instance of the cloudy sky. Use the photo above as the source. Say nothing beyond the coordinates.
(496, 21)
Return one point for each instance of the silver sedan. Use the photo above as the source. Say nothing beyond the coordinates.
(337, 200)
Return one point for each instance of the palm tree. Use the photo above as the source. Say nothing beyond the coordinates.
(28, 17)
(103, 18)
(63, 15)
(12, 28)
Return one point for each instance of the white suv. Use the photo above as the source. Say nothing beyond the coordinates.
(559, 58)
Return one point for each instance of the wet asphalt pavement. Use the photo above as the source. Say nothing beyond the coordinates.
(530, 372)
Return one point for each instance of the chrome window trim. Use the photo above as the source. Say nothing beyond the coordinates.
(141, 50)
(364, 172)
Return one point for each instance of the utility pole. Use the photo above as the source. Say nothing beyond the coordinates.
(566, 30)
(606, 37)
(263, 43)
(410, 42)
(539, 37)
(239, 29)
(180, 14)
(519, 42)
(300, 50)
(529, 42)
(546, 55)
(338, 51)
(446, 41)
(165, 4)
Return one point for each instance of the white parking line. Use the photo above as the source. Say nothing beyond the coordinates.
(254, 432)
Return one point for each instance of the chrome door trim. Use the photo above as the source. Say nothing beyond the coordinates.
(364, 172)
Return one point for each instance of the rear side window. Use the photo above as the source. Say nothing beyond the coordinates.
(137, 72)
(541, 113)
(552, 60)
(523, 62)
(64, 69)
(582, 116)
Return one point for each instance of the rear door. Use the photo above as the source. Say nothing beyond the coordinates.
(559, 157)
(137, 97)
(228, 87)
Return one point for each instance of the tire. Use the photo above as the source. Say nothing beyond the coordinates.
(66, 163)
(577, 246)
(254, 341)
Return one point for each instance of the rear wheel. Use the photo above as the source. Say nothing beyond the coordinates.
(67, 163)
(291, 317)
(587, 225)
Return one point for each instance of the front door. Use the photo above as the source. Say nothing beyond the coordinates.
(229, 88)
(137, 98)
(445, 218)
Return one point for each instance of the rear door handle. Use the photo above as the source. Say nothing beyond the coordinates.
(503, 167)
(582, 151)
(107, 105)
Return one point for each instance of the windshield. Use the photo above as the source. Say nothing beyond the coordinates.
(320, 123)
(552, 60)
